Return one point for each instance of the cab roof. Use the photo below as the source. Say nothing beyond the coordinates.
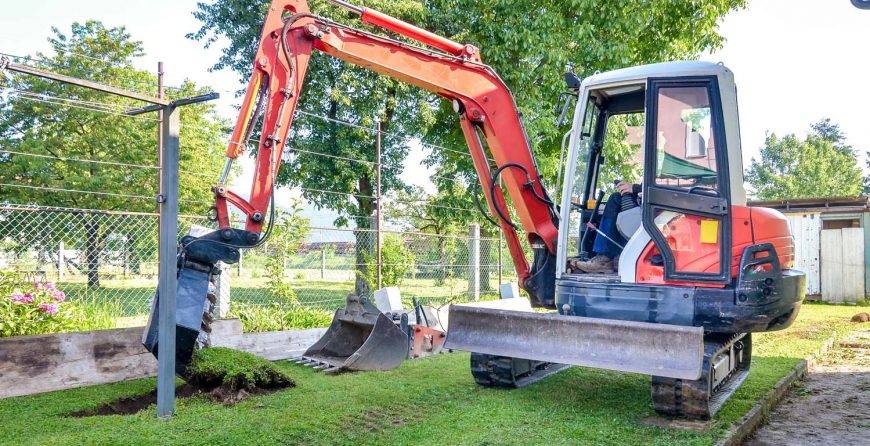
(664, 69)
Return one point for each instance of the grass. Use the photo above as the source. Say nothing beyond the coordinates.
(431, 400)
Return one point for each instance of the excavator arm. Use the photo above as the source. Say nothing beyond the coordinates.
(451, 70)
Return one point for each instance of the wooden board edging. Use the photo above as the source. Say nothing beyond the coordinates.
(45, 363)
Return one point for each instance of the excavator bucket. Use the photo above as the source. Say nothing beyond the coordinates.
(639, 347)
(359, 338)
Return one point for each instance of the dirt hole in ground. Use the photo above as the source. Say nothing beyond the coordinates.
(225, 376)
(132, 404)
(135, 404)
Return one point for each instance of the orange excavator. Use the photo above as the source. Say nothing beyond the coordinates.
(697, 274)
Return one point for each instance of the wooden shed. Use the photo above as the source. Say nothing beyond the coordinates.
(831, 235)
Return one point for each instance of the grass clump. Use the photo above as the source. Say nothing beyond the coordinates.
(231, 375)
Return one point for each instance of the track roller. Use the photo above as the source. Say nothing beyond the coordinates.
(726, 365)
(502, 371)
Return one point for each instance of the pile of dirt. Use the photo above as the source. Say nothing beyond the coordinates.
(861, 317)
(226, 376)
(230, 376)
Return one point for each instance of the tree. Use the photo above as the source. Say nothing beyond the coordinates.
(57, 136)
(529, 44)
(821, 165)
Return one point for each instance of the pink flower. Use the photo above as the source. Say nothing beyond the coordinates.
(58, 295)
(27, 298)
(49, 308)
(50, 286)
(38, 285)
(17, 298)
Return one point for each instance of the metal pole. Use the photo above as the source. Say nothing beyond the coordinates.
(500, 240)
(61, 260)
(160, 91)
(474, 262)
(378, 209)
(168, 282)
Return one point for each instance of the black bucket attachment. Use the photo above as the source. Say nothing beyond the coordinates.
(195, 299)
(359, 338)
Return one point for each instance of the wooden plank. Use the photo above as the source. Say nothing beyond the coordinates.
(44, 363)
(273, 345)
(853, 264)
(832, 265)
(805, 229)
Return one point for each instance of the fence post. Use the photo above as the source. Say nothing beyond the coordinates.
(500, 241)
(222, 290)
(474, 262)
(61, 260)
(378, 208)
(167, 279)
(322, 262)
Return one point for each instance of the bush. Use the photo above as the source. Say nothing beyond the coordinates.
(397, 262)
(29, 309)
(40, 308)
(277, 317)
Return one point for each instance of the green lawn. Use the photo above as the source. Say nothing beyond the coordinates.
(426, 401)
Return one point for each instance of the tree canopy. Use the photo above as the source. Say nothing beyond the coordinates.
(73, 147)
(821, 165)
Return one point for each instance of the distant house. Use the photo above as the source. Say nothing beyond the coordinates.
(832, 244)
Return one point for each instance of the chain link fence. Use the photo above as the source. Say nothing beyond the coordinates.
(112, 256)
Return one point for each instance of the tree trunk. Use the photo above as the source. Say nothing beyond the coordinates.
(92, 251)
(364, 257)
(365, 239)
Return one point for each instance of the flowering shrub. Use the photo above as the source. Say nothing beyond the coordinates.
(27, 309)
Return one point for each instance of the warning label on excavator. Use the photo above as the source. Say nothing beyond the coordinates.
(710, 231)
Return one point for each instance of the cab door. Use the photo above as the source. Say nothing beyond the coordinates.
(686, 199)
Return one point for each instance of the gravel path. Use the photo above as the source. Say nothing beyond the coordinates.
(831, 406)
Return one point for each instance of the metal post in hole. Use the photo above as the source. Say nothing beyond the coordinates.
(378, 207)
(167, 280)
(474, 262)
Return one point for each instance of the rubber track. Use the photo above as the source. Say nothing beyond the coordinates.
(693, 399)
(498, 371)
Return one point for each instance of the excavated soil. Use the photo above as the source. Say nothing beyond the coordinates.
(132, 405)
(831, 406)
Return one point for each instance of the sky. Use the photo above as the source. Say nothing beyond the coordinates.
(795, 62)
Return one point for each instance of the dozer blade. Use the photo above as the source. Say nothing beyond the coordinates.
(360, 338)
(637, 347)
